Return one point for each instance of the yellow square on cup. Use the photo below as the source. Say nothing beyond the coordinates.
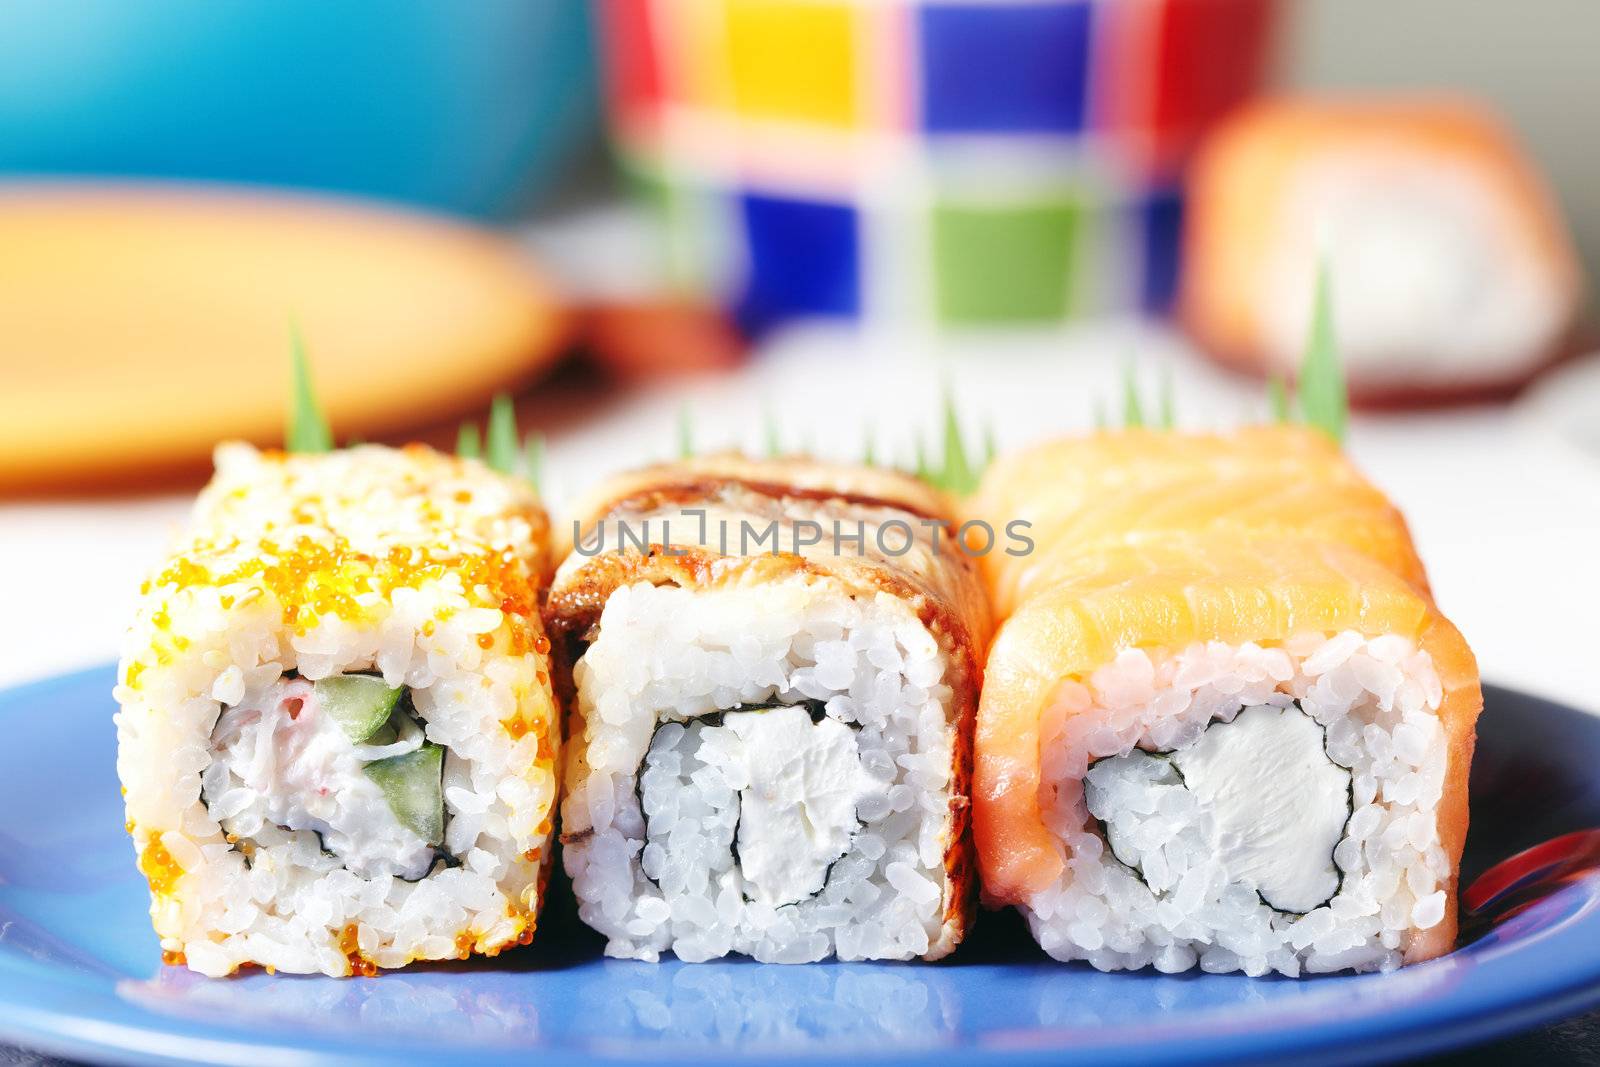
(793, 60)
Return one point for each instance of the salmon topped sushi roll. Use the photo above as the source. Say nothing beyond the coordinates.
(1080, 493)
(776, 675)
(1223, 724)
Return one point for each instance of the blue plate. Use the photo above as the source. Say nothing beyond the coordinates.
(79, 974)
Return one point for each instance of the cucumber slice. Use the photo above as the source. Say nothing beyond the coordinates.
(359, 703)
(413, 784)
(385, 735)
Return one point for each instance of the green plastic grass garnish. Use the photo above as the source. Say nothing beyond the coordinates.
(308, 429)
(1137, 411)
(533, 461)
(1319, 398)
(771, 433)
(956, 471)
(685, 433)
(1324, 399)
(1132, 405)
(501, 441)
(468, 444)
(958, 474)
(501, 447)
(869, 447)
(1278, 398)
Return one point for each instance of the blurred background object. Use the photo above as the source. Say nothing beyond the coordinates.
(1534, 63)
(140, 325)
(1454, 273)
(474, 108)
(944, 168)
(923, 160)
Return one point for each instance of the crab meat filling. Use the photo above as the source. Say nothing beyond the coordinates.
(1253, 802)
(770, 793)
(344, 759)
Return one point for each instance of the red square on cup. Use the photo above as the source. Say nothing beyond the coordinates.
(631, 53)
(1172, 68)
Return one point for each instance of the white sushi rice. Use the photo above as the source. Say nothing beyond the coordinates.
(1378, 701)
(671, 655)
(288, 907)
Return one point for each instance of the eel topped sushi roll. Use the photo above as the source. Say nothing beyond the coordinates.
(337, 737)
(770, 738)
(1223, 723)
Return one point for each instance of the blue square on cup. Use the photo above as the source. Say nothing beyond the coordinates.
(804, 259)
(995, 68)
(1161, 225)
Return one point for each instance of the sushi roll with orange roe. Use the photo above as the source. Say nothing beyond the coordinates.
(337, 736)
(1454, 275)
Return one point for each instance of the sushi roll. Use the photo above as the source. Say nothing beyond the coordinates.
(1252, 480)
(1454, 275)
(337, 737)
(1223, 724)
(776, 671)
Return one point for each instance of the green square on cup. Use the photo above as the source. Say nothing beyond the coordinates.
(1006, 261)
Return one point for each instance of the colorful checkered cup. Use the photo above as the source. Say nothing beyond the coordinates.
(958, 161)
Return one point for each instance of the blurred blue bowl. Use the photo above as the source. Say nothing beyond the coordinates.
(469, 107)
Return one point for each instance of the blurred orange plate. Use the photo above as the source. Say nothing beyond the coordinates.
(141, 324)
